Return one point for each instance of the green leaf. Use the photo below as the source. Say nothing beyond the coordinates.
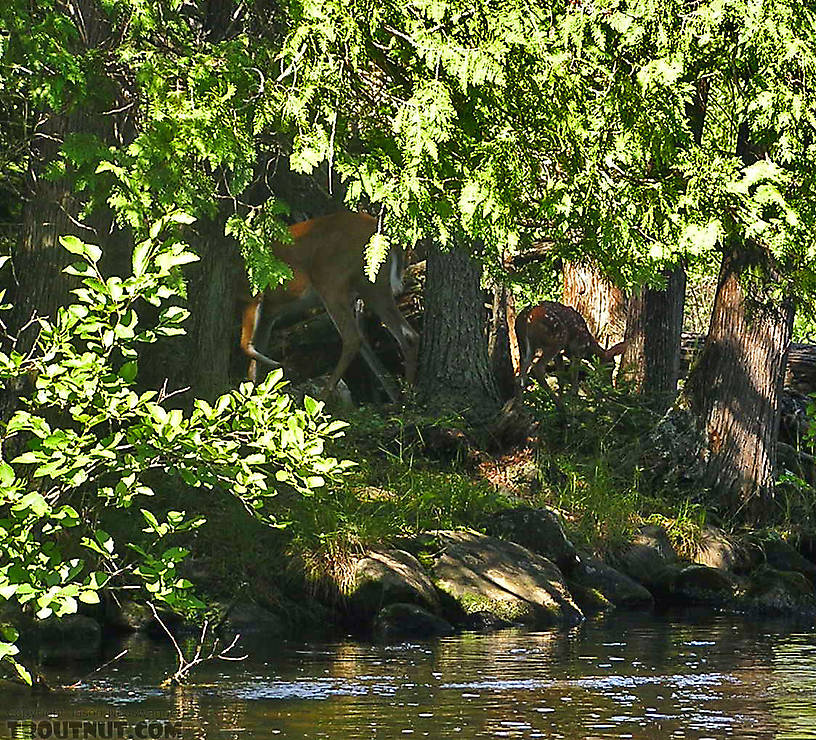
(6, 475)
(34, 502)
(89, 597)
(376, 253)
(150, 518)
(141, 253)
(128, 371)
(76, 246)
(23, 674)
(182, 218)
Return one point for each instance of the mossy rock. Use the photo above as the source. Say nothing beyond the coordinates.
(648, 558)
(74, 637)
(129, 616)
(616, 587)
(388, 577)
(485, 574)
(787, 593)
(700, 584)
(246, 618)
(590, 600)
(782, 556)
(717, 549)
(539, 530)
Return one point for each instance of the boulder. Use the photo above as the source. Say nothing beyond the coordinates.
(650, 558)
(787, 593)
(483, 622)
(485, 574)
(409, 621)
(73, 637)
(590, 600)
(616, 587)
(129, 616)
(247, 618)
(539, 530)
(133, 616)
(718, 550)
(782, 556)
(387, 577)
(700, 584)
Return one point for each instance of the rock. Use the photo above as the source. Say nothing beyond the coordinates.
(485, 574)
(247, 618)
(409, 621)
(673, 450)
(718, 550)
(787, 593)
(132, 616)
(590, 600)
(388, 577)
(648, 559)
(539, 530)
(703, 585)
(73, 637)
(782, 556)
(484, 622)
(127, 615)
(340, 397)
(618, 588)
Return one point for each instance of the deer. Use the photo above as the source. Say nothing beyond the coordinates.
(549, 329)
(327, 259)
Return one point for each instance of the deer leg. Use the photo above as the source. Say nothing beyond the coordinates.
(539, 372)
(382, 303)
(342, 314)
(526, 364)
(250, 321)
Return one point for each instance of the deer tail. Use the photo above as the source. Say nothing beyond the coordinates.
(396, 269)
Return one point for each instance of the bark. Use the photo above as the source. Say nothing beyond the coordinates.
(454, 367)
(654, 324)
(202, 358)
(601, 303)
(734, 391)
(38, 286)
(800, 369)
(499, 342)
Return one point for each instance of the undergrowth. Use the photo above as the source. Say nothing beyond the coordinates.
(587, 462)
(590, 458)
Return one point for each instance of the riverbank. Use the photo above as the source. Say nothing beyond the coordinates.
(438, 530)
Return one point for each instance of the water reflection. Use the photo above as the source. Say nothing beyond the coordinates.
(626, 676)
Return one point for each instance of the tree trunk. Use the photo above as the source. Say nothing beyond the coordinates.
(213, 326)
(454, 367)
(734, 390)
(499, 341)
(601, 303)
(654, 324)
(40, 287)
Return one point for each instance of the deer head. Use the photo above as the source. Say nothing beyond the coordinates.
(327, 257)
(548, 329)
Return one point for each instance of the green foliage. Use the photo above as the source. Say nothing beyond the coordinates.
(395, 491)
(84, 442)
(571, 123)
(591, 462)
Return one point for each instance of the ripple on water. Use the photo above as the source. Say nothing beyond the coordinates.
(616, 678)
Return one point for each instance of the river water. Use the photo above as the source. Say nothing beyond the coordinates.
(627, 676)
